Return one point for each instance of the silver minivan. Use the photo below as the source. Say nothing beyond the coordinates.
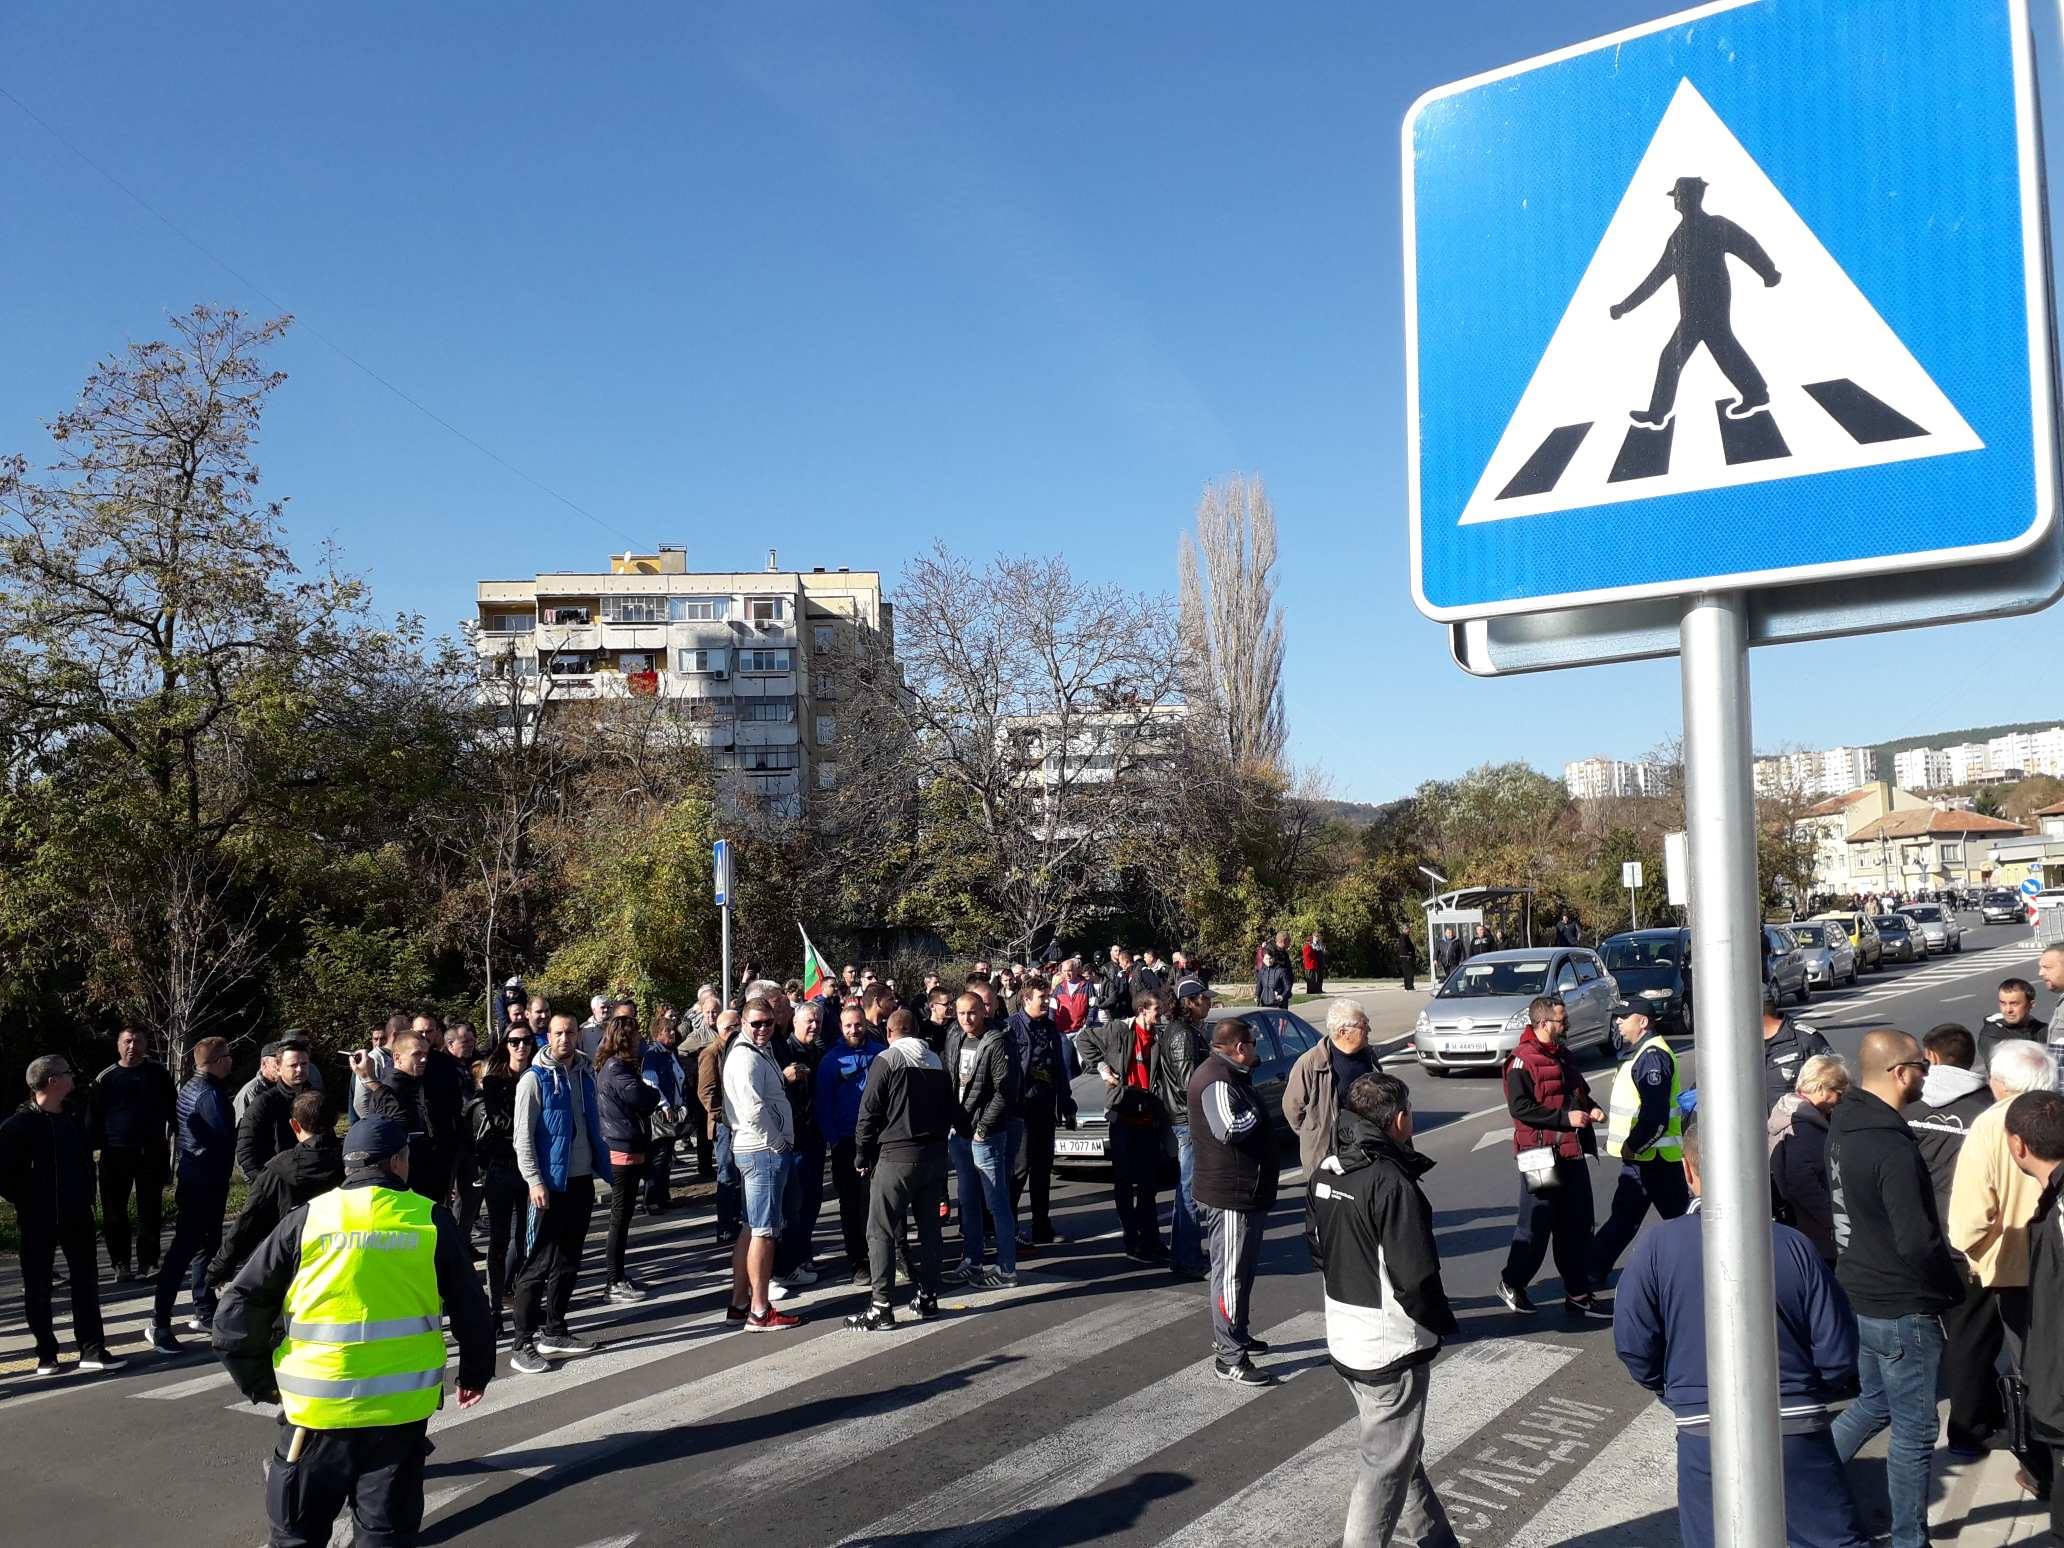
(1474, 1019)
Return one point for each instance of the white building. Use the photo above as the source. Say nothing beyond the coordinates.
(1823, 773)
(2012, 756)
(1921, 768)
(744, 657)
(1595, 779)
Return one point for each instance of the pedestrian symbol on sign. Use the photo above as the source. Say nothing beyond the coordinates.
(1794, 379)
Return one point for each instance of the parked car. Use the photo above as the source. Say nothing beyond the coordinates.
(1938, 925)
(1474, 1020)
(1653, 967)
(1279, 1037)
(1902, 938)
(2001, 905)
(1862, 931)
(1830, 959)
(1784, 965)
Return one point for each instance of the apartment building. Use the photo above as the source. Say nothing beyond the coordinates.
(2012, 756)
(1828, 772)
(745, 659)
(1832, 822)
(1595, 779)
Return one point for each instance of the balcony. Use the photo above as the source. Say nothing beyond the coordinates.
(624, 636)
(551, 636)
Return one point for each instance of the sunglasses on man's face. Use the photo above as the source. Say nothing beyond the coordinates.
(759, 1026)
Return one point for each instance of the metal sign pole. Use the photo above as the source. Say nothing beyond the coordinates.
(721, 870)
(1726, 931)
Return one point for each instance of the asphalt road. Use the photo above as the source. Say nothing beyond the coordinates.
(1079, 1408)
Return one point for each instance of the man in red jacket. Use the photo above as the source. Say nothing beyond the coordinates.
(1552, 1112)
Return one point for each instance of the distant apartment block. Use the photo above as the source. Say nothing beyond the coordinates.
(1828, 772)
(2013, 756)
(1595, 779)
(744, 658)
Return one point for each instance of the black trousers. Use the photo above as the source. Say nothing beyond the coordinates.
(544, 1289)
(1410, 970)
(1974, 1336)
(623, 1203)
(1035, 1169)
(196, 1237)
(1560, 1215)
(141, 1167)
(506, 1198)
(898, 1189)
(854, 1202)
(41, 1241)
(377, 1471)
(1642, 1183)
(659, 1174)
(2016, 1308)
(1136, 1177)
(466, 1195)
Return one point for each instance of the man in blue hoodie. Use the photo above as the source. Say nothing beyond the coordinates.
(1659, 1333)
(841, 1081)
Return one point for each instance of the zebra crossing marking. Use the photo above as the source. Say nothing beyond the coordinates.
(1303, 1501)
(1051, 1470)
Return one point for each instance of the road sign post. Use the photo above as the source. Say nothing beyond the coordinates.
(1726, 948)
(1630, 878)
(1766, 356)
(720, 856)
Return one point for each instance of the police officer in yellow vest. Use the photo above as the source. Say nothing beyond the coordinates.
(1644, 1128)
(338, 1317)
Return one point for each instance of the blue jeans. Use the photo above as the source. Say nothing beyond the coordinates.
(1898, 1359)
(765, 1173)
(983, 1168)
(1185, 1237)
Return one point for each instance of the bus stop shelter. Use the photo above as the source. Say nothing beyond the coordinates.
(1465, 906)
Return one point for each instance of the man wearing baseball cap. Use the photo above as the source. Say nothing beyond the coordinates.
(1644, 1131)
(338, 1318)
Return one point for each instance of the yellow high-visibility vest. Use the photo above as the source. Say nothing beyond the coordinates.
(1625, 1110)
(364, 1339)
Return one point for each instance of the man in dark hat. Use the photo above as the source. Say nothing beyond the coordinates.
(1696, 257)
(338, 1318)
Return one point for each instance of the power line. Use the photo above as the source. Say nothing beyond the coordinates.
(322, 338)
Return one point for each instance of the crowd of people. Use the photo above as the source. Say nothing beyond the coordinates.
(1914, 1221)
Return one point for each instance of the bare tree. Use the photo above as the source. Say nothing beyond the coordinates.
(1231, 627)
(1049, 705)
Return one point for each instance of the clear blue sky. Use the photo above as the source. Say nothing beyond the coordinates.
(840, 279)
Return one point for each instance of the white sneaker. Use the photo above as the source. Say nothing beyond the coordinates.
(799, 1276)
(777, 1291)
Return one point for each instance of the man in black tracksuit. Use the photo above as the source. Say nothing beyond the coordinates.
(899, 1143)
(1370, 1229)
(290, 1179)
(1234, 1190)
(1786, 1047)
(135, 1112)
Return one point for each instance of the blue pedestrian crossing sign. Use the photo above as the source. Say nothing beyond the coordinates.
(1753, 295)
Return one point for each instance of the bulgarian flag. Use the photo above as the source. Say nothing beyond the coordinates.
(817, 977)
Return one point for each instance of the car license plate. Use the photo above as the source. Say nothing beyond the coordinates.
(1078, 1145)
(1457, 1045)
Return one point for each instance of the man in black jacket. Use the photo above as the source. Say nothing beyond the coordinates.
(907, 1113)
(404, 1095)
(2035, 1139)
(135, 1110)
(984, 1077)
(315, 1164)
(1893, 1262)
(1952, 1096)
(1047, 1104)
(1182, 1045)
(266, 1127)
(1371, 1234)
(2015, 1017)
(1237, 1169)
(1127, 1054)
(374, 1463)
(434, 1160)
(46, 1173)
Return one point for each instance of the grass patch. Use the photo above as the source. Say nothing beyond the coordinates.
(10, 1227)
